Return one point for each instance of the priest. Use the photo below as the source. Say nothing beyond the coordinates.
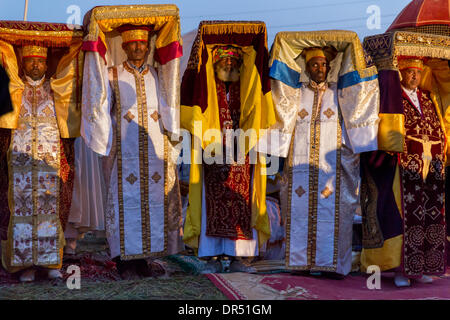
(136, 80)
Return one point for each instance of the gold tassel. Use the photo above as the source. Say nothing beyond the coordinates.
(234, 27)
(46, 38)
(422, 51)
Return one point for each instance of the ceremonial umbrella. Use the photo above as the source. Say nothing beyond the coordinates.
(423, 13)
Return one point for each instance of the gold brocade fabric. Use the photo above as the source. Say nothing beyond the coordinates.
(289, 45)
(385, 49)
(101, 24)
(164, 19)
(35, 235)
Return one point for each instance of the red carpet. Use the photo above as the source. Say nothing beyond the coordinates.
(92, 267)
(240, 286)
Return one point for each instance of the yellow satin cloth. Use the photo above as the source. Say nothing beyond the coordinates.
(66, 86)
(257, 112)
(390, 254)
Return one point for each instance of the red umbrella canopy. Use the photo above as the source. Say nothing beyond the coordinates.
(423, 12)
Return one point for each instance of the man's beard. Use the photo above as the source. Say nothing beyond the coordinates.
(35, 76)
(231, 75)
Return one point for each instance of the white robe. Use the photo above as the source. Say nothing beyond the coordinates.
(323, 201)
(89, 193)
(136, 210)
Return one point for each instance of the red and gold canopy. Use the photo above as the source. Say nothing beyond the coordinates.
(164, 20)
(427, 16)
(65, 65)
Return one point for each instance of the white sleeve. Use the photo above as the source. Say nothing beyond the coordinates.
(360, 105)
(96, 128)
(276, 141)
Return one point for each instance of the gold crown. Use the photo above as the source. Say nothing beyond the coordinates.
(34, 51)
(410, 63)
(134, 35)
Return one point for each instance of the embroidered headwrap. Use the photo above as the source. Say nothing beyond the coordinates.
(221, 52)
(328, 53)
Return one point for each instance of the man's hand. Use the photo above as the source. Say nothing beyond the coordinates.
(184, 188)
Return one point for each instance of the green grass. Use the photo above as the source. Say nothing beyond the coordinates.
(176, 287)
(179, 285)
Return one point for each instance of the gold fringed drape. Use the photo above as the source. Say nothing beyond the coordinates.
(66, 86)
(16, 86)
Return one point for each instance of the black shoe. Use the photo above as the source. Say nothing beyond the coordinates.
(302, 273)
(239, 266)
(214, 265)
(126, 269)
(333, 275)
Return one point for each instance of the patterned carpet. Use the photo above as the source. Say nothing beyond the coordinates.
(242, 286)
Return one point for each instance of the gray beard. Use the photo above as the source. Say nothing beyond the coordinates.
(228, 76)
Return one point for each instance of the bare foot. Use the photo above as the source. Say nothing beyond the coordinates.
(54, 274)
(28, 275)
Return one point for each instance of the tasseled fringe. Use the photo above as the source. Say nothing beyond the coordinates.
(324, 36)
(234, 27)
(29, 26)
(225, 27)
(304, 39)
(368, 72)
(104, 22)
(23, 40)
(424, 51)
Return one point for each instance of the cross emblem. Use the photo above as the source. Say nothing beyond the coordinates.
(303, 114)
(300, 191)
(156, 177)
(329, 113)
(417, 129)
(326, 192)
(155, 116)
(129, 117)
(131, 178)
(47, 111)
